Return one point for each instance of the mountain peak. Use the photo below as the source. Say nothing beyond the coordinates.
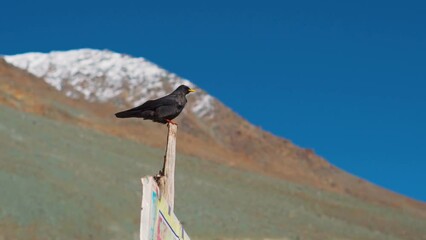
(103, 75)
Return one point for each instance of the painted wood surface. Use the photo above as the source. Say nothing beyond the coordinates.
(158, 221)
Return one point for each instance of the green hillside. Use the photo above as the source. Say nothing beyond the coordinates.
(60, 181)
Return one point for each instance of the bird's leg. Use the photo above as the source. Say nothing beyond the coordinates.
(171, 122)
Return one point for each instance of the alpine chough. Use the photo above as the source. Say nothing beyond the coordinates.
(162, 110)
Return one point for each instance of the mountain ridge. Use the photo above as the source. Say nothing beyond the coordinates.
(248, 147)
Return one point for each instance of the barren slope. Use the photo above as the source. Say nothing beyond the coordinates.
(224, 137)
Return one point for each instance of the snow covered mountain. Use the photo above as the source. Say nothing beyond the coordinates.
(54, 147)
(208, 129)
(102, 75)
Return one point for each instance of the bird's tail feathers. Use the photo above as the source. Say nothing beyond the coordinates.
(127, 114)
(148, 114)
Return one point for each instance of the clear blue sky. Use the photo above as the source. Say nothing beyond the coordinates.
(345, 79)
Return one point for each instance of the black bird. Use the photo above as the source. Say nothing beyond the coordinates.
(162, 110)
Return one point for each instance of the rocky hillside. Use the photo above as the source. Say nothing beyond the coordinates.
(103, 82)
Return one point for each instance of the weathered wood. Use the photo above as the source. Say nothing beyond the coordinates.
(167, 176)
(146, 219)
(157, 219)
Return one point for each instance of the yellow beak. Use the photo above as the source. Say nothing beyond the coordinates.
(191, 90)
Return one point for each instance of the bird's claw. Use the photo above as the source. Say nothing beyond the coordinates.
(171, 122)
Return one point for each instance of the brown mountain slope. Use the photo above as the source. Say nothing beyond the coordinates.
(225, 138)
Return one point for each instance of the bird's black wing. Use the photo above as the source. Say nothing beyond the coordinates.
(159, 108)
(153, 104)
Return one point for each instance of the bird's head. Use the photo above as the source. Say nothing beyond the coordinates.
(184, 89)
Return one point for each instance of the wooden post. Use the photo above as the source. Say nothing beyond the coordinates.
(157, 190)
(166, 180)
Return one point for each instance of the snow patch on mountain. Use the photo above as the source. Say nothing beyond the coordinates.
(103, 76)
